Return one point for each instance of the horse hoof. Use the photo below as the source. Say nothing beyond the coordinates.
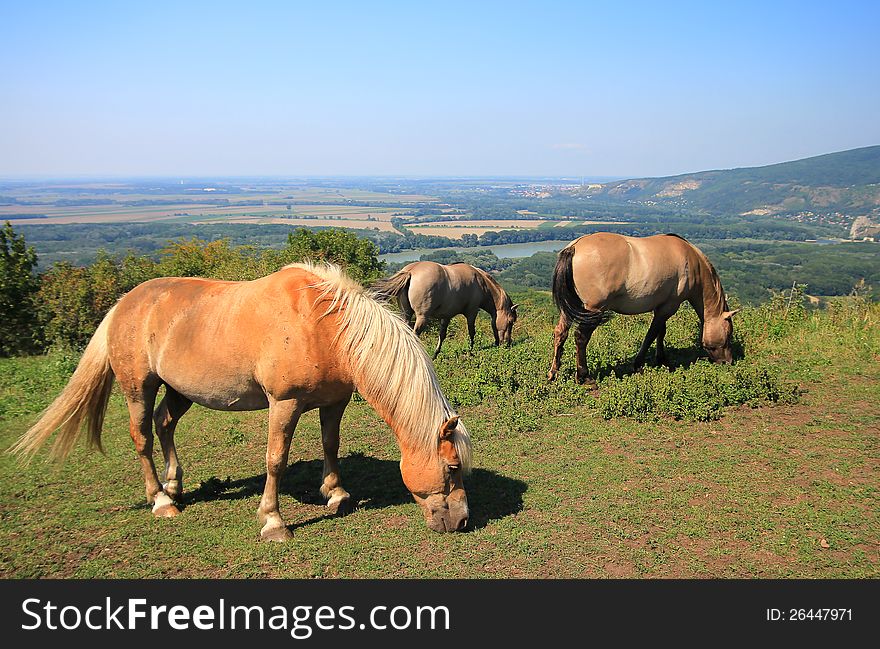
(278, 533)
(166, 511)
(173, 488)
(163, 506)
(551, 376)
(341, 505)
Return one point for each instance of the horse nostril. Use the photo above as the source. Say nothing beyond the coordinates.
(461, 524)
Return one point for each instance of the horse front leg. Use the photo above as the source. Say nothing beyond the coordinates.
(560, 335)
(661, 348)
(581, 339)
(169, 411)
(472, 328)
(283, 417)
(657, 324)
(338, 499)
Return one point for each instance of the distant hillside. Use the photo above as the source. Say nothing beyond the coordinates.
(846, 182)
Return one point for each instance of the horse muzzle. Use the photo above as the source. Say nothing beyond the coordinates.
(451, 518)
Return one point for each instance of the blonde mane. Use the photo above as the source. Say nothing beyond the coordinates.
(391, 369)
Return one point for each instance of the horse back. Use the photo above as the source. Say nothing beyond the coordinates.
(438, 290)
(631, 274)
(226, 345)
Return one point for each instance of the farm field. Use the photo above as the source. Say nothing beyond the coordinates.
(457, 229)
(768, 490)
(189, 213)
(339, 222)
(263, 206)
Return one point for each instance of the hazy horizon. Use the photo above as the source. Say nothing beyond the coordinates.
(495, 90)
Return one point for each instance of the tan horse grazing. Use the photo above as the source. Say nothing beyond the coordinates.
(302, 338)
(604, 272)
(430, 290)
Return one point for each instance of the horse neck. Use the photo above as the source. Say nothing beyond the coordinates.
(709, 301)
(495, 298)
(388, 366)
(412, 405)
(393, 374)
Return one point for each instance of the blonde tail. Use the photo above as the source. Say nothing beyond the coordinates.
(84, 397)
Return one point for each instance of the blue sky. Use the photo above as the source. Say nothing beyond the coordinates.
(445, 88)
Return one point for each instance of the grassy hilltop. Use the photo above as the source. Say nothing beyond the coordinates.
(846, 181)
(764, 469)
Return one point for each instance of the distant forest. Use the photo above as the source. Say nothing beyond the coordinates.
(750, 270)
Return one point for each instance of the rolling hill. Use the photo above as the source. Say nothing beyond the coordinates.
(846, 182)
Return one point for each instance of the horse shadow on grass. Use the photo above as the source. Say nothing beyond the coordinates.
(676, 357)
(373, 484)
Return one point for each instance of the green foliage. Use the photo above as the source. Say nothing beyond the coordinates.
(485, 259)
(73, 300)
(357, 256)
(696, 393)
(513, 381)
(18, 286)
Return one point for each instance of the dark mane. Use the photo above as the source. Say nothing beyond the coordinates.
(493, 285)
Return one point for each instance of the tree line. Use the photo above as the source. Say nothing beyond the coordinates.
(63, 305)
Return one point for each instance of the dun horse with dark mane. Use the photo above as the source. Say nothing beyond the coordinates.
(426, 289)
(303, 338)
(604, 272)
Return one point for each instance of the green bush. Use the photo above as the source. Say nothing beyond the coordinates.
(699, 392)
(18, 288)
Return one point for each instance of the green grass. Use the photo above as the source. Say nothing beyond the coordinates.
(558, 490)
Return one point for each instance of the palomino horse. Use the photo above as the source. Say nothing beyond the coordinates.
(299, 339)
(609, 272)
(431, 290)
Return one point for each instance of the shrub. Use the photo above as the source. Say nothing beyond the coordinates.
(696, 393)
(18, 287)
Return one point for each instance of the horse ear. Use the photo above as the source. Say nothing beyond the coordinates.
(727, 315)
(448, 428)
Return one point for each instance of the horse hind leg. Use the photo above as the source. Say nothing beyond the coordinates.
(420, 325)
(444, 326)
(339, 501)
(140, 411)
(169, 411)
(582, 338)
(560, 335)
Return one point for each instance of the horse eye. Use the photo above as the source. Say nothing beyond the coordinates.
(454, 467)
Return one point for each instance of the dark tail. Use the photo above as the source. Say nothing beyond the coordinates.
(392, 287)
(565, 296)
